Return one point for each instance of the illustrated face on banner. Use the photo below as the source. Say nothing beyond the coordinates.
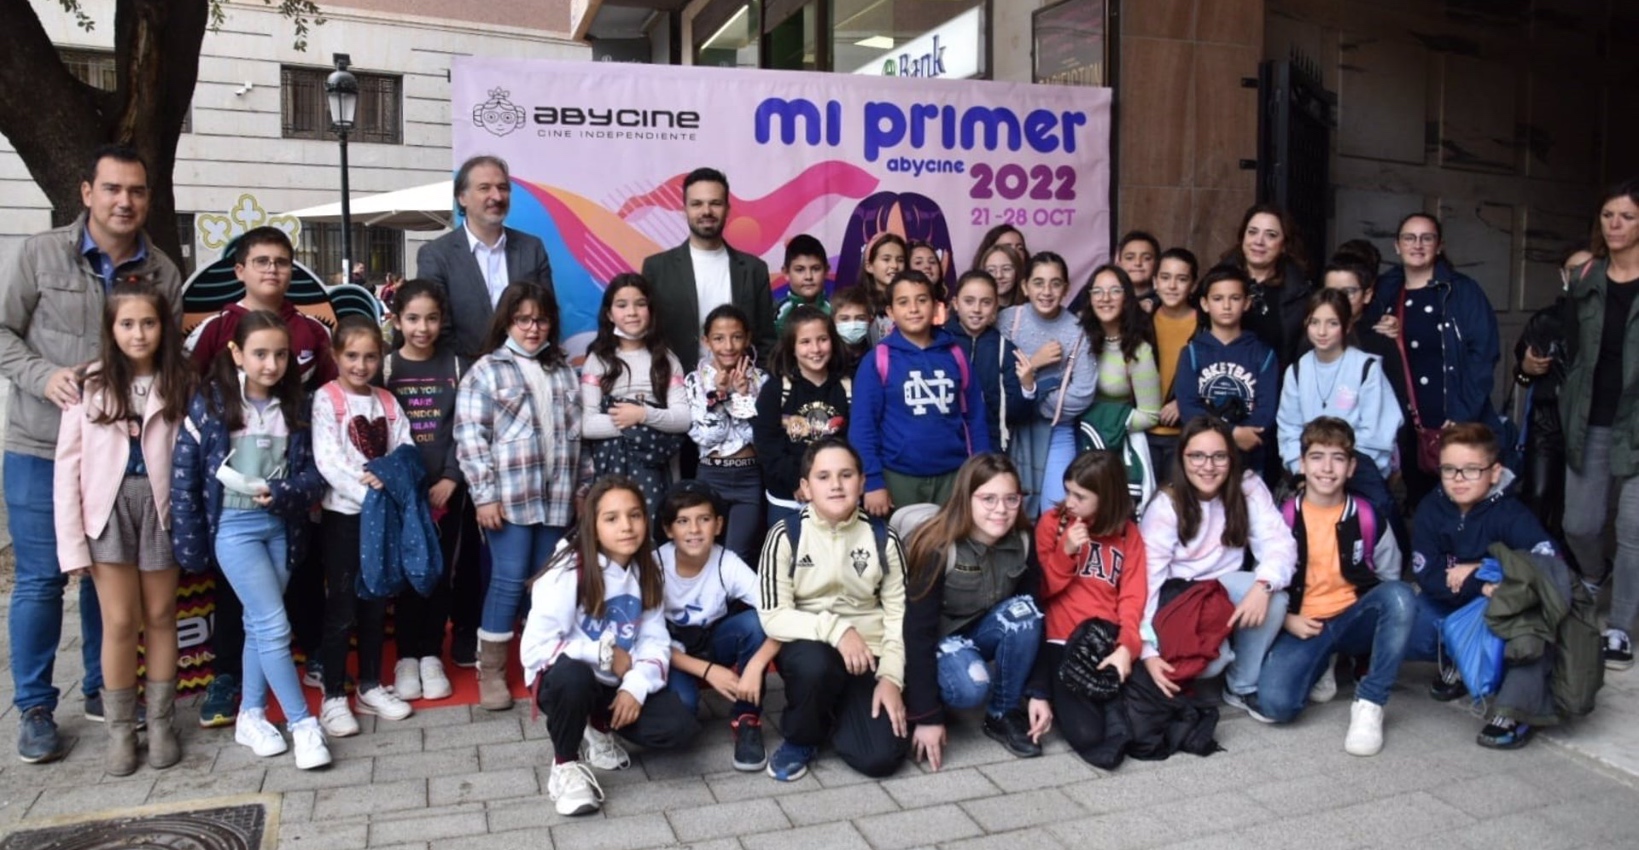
(602, 149)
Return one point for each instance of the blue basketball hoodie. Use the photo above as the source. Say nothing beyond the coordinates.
(911, 417)
(1238, 381)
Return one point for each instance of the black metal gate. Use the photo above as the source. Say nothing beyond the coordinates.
(1295, 121)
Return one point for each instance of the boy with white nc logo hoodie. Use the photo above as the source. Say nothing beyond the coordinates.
(917, 413)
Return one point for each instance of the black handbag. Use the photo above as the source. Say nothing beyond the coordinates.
(1088, 646)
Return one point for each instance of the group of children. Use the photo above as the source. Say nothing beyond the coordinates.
(1062, 484)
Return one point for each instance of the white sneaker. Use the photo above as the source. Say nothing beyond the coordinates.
(313, 676)
(407, 678)
(253, 730)
(311, 750)
(602, 751)
(575, 790)
(434, 684)
(1325, 688)
(337, 719)
(1365, 736)
(382, 702)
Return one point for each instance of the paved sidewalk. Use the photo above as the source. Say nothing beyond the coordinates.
(465, 778)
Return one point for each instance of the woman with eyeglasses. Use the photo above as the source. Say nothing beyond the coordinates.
(971, 600)
(1271, 253)
(1200, 527)
(1447, 335)
(1599, 406)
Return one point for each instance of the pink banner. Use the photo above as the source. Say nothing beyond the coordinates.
(598, 152)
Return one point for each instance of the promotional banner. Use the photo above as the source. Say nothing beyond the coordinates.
(598, 152)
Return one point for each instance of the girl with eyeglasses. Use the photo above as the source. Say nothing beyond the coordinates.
(1093, 566)
(971, 594)
(1447, 335)
(518, 443)
(1200, 527)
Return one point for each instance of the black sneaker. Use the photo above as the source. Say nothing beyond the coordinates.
(1449, 684)
(37, 738)
(93, 711)
(749, 753)
(1012, 730)
(1618, 650)
(464, 648)
(1505, 733)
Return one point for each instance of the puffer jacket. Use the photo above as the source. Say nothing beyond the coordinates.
(1576, 397)
(51, 302)
(202, 447)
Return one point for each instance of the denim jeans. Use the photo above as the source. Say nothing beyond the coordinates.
(1378, 623)
(1587, 494)
(35, 621)
(775, 514)
(741, 489)
(1424, 641)
(251, 547)
(734, 640)
(1061, 450)
(516, 553)
(1245, 664)
(1009, 634)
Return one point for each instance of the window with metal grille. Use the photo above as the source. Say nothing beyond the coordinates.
(381, 249)
(306, 113)
(95, 68)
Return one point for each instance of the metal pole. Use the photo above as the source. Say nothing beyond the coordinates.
(346, 218)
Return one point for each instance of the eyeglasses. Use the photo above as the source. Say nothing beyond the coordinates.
(1414, 238)
(524, 323)
(1464, 473)
(1204, 459)
(997, 271)
(1101, 294)
(262, 264)
(991, 501)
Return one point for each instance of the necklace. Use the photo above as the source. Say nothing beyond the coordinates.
(1337, 371)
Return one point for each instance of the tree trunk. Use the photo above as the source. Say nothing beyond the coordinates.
(55, 121)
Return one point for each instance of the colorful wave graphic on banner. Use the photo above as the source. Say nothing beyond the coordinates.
(588, 243)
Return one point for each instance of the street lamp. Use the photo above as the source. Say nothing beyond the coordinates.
(341, 88)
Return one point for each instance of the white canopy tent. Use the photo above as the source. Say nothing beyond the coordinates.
(429, 207)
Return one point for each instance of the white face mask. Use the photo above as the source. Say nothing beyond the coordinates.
(620, 334)
(852, 331)
(518, 348)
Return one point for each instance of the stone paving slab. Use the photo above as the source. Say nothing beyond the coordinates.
(454, 778)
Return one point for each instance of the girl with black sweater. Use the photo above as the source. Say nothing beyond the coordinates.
(806, 398)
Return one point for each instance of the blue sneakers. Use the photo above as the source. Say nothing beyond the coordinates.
(37, 738)
(1505, 733)
(790, 762)
(221, 704)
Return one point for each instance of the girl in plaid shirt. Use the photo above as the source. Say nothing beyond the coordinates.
(517, 439)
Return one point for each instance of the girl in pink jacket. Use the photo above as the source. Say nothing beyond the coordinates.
(113, 497)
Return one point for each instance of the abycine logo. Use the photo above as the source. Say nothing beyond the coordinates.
(498, 115)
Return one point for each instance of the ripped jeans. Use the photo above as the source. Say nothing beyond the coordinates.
(1008, 634)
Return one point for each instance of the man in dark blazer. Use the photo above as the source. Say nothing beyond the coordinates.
(475, 262)
(694, 278)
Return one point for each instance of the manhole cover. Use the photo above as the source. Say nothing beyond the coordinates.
(223, 828)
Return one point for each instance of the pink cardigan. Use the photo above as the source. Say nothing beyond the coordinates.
(91, 461)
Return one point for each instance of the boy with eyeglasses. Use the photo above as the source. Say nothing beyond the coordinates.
(263, 262)
(1450, 534)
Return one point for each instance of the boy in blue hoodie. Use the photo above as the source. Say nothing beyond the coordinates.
(1450, 534)
(1227, 373)
(994, 358)
(917, 412)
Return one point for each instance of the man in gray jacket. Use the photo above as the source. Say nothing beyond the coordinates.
(51, 304)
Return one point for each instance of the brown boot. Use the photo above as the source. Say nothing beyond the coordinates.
(164, 749)
(120, 711)
(493, 693)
